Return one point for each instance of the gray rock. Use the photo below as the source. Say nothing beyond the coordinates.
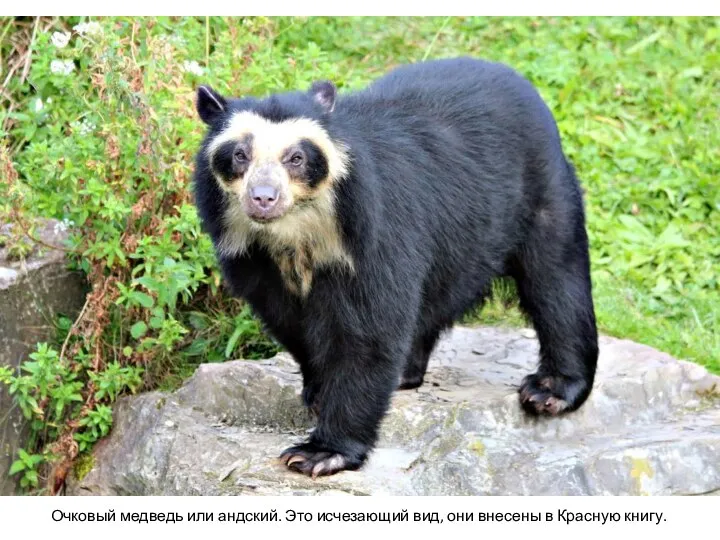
(651, 426)
(32, 292)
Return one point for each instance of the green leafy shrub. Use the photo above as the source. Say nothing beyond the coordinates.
(109, 152)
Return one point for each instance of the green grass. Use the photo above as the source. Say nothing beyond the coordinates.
(636, 100)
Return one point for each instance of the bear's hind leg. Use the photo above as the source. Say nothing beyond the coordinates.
(553, 278)
(417, 361)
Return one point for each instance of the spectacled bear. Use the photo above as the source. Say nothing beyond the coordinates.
(361, 226)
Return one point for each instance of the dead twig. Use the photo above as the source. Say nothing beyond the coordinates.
(26, 68)
(74, 327)
(26, 231)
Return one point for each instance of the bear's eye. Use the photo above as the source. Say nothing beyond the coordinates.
(240, 155)
(296, 159)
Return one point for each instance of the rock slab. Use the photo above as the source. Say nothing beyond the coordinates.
(32, 292)
(651, 427)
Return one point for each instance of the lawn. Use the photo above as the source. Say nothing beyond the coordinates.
(99, 130)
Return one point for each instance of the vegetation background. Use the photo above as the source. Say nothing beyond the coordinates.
(98, 129)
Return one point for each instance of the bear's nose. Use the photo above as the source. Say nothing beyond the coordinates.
(264, 197)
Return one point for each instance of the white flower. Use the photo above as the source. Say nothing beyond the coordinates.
(64, 225)
(177, 39)
(87, 127)
(83, 128)
(60, 39)
(193, 67)
(38, 106)
(89, 28)
(64, 67)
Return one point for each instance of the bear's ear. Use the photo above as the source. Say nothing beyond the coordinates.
(210, 105)
(324, 93)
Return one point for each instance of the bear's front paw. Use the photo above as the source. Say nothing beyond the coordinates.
(542, 394)
(314, 461)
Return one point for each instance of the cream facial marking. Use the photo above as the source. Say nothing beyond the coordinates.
(305, 236)
(272, 139)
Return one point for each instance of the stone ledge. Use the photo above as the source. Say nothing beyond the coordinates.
(651, 426)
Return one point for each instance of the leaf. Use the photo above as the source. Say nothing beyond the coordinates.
(634, 230)
(120, 254)
(157, 322)
(671, 237)
(233, 341)
(25, 457)
(149, 283)
(145, 300)
(693, 72)
(16, 467)
(138, 329)
(197, 347)
(198, 320)
(645, 43)
(31, 477)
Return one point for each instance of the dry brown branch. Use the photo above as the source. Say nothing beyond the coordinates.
(28, 57)
(74, 327)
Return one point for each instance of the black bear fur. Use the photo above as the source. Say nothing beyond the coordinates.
(456, 176)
